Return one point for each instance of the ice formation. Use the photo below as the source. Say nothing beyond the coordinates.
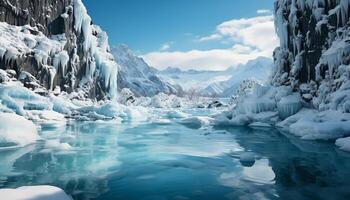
(309, 90)
(76, 59)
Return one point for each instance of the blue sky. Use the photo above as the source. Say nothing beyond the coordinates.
(165, 30)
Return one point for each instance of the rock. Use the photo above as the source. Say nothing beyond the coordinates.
(56, 20)
(215, 104)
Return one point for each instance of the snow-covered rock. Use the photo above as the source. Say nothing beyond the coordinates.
(61, 48)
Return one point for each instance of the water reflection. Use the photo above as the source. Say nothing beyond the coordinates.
(170, 161)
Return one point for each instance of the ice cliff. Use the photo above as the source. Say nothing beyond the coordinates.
(56, 42)
(309, 91)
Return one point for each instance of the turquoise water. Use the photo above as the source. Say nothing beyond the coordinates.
(148, 161)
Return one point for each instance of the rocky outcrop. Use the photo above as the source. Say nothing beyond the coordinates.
(83, 60)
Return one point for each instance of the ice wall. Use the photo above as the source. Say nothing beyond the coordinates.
(314, 52)
(56, 42)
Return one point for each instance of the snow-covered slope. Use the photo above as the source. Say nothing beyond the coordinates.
(309, 92)
(193, 79)
(219, 83)
(256, 70)
(135, 74)
(59, 48)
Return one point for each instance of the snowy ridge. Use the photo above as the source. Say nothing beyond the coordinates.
(138, 76)
(309, 91)
(219, 83)
(257, 70)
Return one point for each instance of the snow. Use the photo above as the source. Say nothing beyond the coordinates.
(289, 105)
(136, 75)
(57, 145)
(17, 41)
(43, 192)
(20, 99)
(196, 122)
(96, 44)
(16, 129)
(343, 144)
(219, 83)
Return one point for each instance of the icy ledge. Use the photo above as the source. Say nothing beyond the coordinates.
(283, 108)
(44, 192)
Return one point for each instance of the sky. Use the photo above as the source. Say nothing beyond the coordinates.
(189, 34)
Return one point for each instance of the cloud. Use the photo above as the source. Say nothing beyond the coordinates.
(249, 37)
(257, 32)
(215, 59)
(264, 12)
(166, 46)
(210, 37)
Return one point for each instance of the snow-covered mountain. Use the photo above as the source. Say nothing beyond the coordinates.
(219, 83)
(256, 70)
(193, 79)
(56, 42)
(138, 76)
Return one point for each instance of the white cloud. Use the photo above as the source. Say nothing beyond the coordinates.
(210, 37)
(166, 46)
(250, 37)
(258, 32)
(215, 59)
(263, 11)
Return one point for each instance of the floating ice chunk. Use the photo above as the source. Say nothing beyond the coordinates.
(196, 122)
(16, 129)
(34, 193)
(343, 143)
(175, 114)
(57, 145)
(247, 159)
(161, 121)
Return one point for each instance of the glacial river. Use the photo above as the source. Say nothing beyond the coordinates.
(108, 161)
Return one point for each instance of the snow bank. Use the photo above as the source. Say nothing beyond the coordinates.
(20, 99)
(15, 129)
(34, 193)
